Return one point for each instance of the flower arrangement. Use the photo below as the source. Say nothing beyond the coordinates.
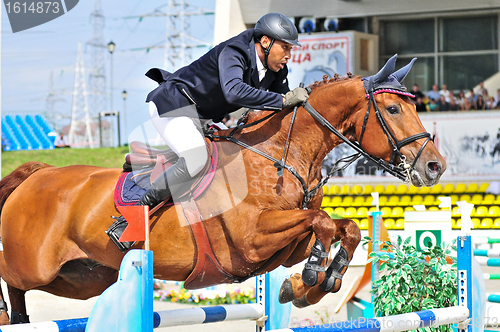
(227, 294)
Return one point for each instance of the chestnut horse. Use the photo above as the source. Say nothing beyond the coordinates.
(53, 219)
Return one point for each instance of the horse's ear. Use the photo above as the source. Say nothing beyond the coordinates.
(387, 70)
(400, 74)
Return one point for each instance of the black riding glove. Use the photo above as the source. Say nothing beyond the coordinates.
(296, 96)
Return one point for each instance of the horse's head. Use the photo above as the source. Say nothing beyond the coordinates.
(378, 113)
(390, 128)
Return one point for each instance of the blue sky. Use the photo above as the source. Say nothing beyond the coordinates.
(29, 57)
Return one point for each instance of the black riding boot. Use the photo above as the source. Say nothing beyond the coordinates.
(170, 181)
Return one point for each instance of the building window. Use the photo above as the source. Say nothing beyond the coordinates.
(467, 49)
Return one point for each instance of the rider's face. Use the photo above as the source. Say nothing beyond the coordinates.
(279, 55)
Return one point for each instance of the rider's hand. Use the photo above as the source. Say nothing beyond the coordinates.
(295, 96)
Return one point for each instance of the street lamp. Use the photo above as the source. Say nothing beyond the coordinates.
(124, 96)
(111, 49)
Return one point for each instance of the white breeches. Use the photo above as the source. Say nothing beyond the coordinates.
(183, 137)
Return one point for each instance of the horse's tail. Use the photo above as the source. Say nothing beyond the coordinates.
(9, 183)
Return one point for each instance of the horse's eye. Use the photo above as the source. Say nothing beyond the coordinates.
(393, 109)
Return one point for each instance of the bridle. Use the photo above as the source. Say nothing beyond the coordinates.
(401, 171)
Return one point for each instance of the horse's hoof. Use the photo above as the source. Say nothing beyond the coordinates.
(286, 292)
(309, 277)
(301, 303)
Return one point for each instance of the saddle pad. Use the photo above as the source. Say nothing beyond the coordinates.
(132, 185)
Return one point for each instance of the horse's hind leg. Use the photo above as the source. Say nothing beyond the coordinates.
(4, 316)
(18, 313)
(293, 288)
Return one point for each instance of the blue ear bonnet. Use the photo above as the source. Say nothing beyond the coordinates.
(386, 80)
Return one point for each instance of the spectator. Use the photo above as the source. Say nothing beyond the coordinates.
(417, 93)
(442, 104)
(481, 90)
(479, 104)
(453, 104)
(463, 102)
(434, 93)
(61, 141)
(490, 103)
(497, 99)
(432, 106)
(472, 99)
(446, 93)
(420, 105)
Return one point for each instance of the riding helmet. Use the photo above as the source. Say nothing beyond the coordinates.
(277, 26)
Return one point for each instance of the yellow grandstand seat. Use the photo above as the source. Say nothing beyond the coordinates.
(400, 223)
(472, 188)
(335, 201)
(368, 201)
(454, 199)
(357, 190)
(417, 199)
(402, 189)
(437, 189)
(339, 211)
(325, 190)
(477, 199)
(350, 212)
(325, 201)
(428, 200)
(361, 212)
(397, 212)
(363, 224)
(458, 224)
(454, 211)
(345, 189)
(367, 189)
(382, 200)
(448, 189)
(488, 199)
(347, 201)
(454, 223)
(424, 190)
(334, 190)
(379, 188)
(460, 188)
(372, 209)
(393, 201)
(356, 221)
(465, 197)
(483, 187)
(409, 208)
(494, 211)
(476, 222)
(328, 210)
(405, 200)
(481, 211)
(433, 208)
(358, 201)
(486, 223)
(412, 190)
(496, 223)
(386, 211)
(390, 189)
(497, 200)
(389, 223)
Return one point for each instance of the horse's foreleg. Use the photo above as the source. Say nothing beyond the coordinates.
(293, 289)
(18, 313)
(4, 316)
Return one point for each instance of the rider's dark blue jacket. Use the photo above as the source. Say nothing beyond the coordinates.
(222, 81)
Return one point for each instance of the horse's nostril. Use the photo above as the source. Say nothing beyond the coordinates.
(433, 168)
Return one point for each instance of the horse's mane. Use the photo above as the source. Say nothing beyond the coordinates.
(335, 79)
(254, 116)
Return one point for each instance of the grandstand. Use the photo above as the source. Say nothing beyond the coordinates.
(355, 202)
(26, 132)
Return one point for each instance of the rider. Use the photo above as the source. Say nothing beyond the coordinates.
(248, 70)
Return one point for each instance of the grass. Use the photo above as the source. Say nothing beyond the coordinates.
(104, 157)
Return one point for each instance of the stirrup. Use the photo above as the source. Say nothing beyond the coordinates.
(18, 318)
(116, 230)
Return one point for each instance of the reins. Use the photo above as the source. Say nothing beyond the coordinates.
(401, 171)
